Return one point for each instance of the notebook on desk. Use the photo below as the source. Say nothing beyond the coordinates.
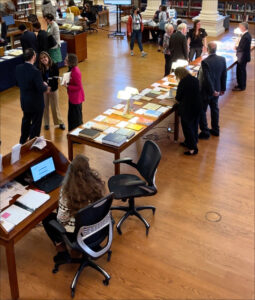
(45, 176)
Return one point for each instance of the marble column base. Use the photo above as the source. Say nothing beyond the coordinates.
(212, 24)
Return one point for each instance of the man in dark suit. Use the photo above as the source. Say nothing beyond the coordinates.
(212, 77)
(243, 53)
(27, 39)
(178, 43)
(32, 87)
(42, 38)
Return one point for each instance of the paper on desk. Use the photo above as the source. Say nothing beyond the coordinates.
(108, 111)
(165, 79)
(155, 84)
(14, 214)
(99, 138)
(33, 199)
(99, 118)
(140, 111)
(119, 106)
(163, 96)
(163, 109)
(15, 153)
(156, 89)
(39, 143)
(88, 124)
(122, 124)
(145, 91)
(110, 130)
(7, 225)
(136, 97)
(133, 120)
(76, 131)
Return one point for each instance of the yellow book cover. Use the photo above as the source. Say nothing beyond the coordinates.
(151, 106)
(138, 103)
(127, 116)
(111, 121)
(118, 112)
(134, 127)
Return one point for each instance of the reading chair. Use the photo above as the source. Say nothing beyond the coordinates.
(93, 226)
(128, 186)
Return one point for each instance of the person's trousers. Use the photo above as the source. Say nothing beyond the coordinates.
(30, 125)
(74, 116)
(168, 64)
(136, 35)
(190, 131)
(213, 104)
(51, 99)
(161, 37)
(241, 75)
(53, 233)
(193, 51)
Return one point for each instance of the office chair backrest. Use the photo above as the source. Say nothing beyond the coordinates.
(93, 224)
(148, 161)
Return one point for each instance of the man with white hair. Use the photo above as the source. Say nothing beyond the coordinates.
(243, 53)
(178, 43)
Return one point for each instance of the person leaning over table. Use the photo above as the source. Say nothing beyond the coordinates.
(196, 40)
(169, 29)
(81, 187)
(135, 29)
(75, 92)
(53, 29)
(50, 74)
(190, 107)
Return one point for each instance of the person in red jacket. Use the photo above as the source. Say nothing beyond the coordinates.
(75, 92)
(135, 29)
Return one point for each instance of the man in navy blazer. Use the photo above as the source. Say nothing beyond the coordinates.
(178, 43)
(212, 77)
(243, 53)
(32, 87)
(27, 39)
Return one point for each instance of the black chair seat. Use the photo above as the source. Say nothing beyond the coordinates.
(119, 186)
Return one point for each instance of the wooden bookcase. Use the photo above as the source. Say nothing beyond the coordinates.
(238, 10)
(25, 8)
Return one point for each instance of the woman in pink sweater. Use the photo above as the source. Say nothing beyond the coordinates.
(75, 93)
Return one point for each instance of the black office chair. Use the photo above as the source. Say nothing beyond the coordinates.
(93, 225)
(92, 19)
(129, 186)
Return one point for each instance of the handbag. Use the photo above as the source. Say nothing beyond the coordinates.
(51, 41)
(70, 16)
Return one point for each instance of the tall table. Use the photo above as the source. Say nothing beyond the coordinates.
(10, 172)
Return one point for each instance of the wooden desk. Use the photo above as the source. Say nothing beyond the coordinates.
(72, 138)
(76, 43)
(103, 18)
(10, 172)
(11, 35)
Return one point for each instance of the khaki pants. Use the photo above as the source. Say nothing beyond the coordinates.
(51, 99)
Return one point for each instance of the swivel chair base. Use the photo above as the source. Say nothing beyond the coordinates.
(132, 210)
(84, 262)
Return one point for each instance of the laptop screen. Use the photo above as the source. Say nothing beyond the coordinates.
(8, 20)
(42, 169)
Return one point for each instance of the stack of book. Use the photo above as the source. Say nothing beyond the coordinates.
(114, 139)
(89, 133)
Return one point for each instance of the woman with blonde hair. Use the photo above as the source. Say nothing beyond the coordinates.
(50, 75)
(169, 29)
(81, 187)
(190, 107)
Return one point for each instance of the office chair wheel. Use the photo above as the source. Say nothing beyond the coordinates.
(106, 281)
(147, 230)
(55, 270)
(72, 292)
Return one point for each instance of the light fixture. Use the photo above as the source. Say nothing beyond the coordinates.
(127, 95)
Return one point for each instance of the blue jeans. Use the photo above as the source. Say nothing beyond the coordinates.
(136, 34)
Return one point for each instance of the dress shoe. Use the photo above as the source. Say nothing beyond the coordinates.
(183, 144)
(191, 152)
(204, 135)
(62, 126)
(238, 89)
(46, 127)
(214, 132)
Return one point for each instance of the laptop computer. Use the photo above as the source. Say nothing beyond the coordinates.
(45, 176)
(9, 20)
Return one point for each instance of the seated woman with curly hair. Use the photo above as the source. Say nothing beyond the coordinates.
(81, 186)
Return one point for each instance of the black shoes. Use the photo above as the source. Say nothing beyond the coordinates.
(62, 126)
(191, 152)
(46, 127)
(237, 89)
(204, 135)
(214, 132)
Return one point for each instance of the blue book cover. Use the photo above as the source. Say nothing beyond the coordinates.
(114, 139)
(152, 113)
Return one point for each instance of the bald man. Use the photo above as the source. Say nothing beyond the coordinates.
(212, 77)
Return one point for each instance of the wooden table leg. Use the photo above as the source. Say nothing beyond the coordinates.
(70, 149)
(117, 166)
(11, 264)
(176, 126)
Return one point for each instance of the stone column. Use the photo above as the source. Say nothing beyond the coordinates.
(210, 19)
(152, 6)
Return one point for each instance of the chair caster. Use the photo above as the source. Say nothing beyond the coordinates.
(55, 270)
(72, 292)
(153, 211)
(109, 255)
(147, 230)
(106, 281)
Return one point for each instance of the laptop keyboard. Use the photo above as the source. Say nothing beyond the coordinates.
(50, 183)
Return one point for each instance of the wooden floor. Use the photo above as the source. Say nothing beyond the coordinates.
(185, 256)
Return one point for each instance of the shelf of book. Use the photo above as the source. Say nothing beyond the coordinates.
(25, 8)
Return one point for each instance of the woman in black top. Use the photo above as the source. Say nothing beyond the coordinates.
(196, 40)
(50, 75)
(190, 106)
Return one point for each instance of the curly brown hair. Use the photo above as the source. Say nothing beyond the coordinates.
(81, 185)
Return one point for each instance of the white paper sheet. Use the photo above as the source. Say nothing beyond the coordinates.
(15, 153)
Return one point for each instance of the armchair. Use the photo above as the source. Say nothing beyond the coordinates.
(93, 226)
(129, 186)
